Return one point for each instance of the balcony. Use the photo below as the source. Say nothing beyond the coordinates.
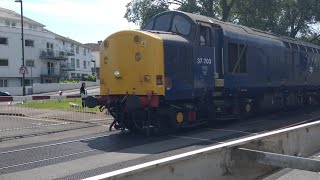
(67, 66)
(53, 54)
(50, 72)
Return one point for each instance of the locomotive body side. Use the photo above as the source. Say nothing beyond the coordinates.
(184, 70)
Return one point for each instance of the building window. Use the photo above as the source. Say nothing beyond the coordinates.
(78, 63)
(34, 27)
(3, 40)
(237, 58)
(4, 62)
(30, 26)
(85, 64)
(84, 51)
(7, 23)
(64, 43)
(72, 62)
(28, 82)
(3, 83)
(77, 49)
(72, 48)
(13, 24)
(30, 63)
(29, 43)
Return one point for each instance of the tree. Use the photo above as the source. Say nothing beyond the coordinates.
(226, 7)
(140, 11)
(283, 17)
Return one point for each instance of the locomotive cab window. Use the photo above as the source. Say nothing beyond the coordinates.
(149, 26)
(181, 25)
(204, 36)
(237, 58)
(162, 23)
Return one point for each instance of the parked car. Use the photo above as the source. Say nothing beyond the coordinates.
(4, 93)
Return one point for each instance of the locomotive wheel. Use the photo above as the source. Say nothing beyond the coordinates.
(169, 120)
(246, 110)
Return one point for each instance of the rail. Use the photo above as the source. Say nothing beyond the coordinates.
(233, 160)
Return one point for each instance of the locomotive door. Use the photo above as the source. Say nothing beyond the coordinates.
(203, 60)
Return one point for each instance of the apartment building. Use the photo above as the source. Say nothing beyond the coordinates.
(49, 57)
(95, 63)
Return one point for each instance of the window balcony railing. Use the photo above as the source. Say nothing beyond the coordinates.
(47, 71)
(53, 54)
(67, 66)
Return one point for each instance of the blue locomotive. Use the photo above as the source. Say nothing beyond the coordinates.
(185, 69)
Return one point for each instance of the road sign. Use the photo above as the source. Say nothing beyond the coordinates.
(23, 70)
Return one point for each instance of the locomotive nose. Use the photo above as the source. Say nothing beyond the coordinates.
(132, 62)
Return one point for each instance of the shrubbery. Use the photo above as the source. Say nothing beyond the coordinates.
(90, 78)
(69, 82)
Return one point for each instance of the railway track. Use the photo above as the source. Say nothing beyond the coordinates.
(117, 150)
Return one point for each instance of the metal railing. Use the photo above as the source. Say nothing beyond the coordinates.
(68, 66)
(53, 54)
(46, 71)
(22, 118)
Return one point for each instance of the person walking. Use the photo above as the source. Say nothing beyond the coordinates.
(83, 93)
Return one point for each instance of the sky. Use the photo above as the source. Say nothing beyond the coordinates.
(86, 21)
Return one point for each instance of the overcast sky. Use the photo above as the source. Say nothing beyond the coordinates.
(86, 21)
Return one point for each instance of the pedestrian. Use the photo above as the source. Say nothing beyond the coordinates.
(83, 93)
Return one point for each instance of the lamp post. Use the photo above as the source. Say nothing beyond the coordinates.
(22, 43)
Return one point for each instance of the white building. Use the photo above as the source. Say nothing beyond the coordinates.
(95, 51)
(49, 57)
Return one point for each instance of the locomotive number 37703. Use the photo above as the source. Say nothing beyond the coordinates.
(204, 61)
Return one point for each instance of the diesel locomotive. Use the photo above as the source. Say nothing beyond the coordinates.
(185, 69)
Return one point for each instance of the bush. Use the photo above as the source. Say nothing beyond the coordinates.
(69, 82)
(90, 78)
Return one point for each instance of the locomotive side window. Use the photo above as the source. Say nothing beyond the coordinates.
(204, 36)
(181, 26)
(163, 23)
(237, 58)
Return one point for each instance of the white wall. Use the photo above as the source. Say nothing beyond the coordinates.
(16, 91)
(42, 88)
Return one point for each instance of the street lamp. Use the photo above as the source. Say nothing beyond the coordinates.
(22, 42)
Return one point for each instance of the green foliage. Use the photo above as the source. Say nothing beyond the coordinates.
(283, 17)
(63, 104)
(69, 82)
(90, 78)
(140, 11)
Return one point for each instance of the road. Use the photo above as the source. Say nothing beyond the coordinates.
(90, 90)
(90, 151)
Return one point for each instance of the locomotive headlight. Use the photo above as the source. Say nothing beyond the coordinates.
(117, 74)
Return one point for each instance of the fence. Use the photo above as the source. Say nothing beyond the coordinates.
(33, 115)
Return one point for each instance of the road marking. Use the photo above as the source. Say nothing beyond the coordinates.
(54, 144)
(231, 130)
(42, 160)
(194, 138)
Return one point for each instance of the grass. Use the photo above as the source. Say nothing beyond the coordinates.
(62, 104)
